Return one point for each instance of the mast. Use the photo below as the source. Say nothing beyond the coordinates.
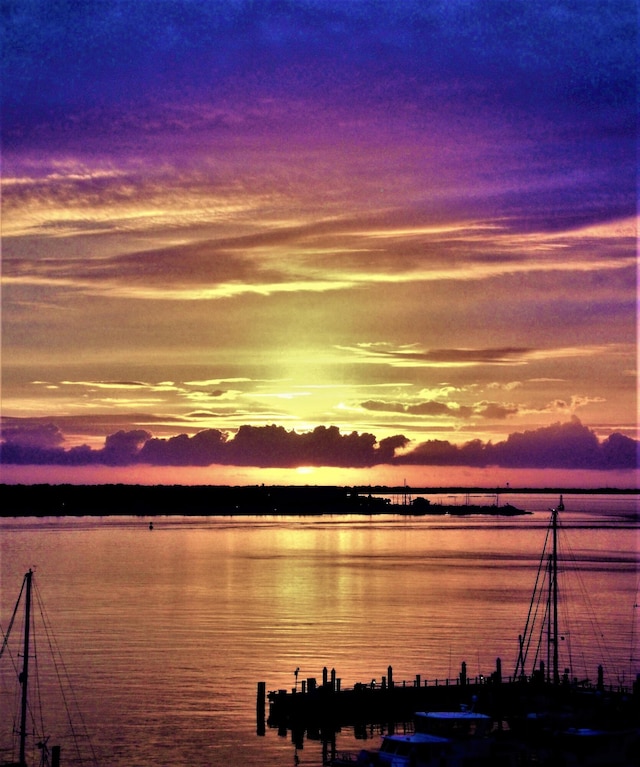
(24, 676)
(554, 576)
(550, 620)
(548, 565)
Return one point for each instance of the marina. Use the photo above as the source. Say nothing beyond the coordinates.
(548, 713)
(507, 705)
(165, 633)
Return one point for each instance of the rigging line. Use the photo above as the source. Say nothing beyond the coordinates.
(14, 662)
(541, 596)
(527, 631)
(64, 682)
(563, 621)
(540, 636)
(16, 688)
(632, 640)
(540, 593)
(54, 660)
(592, 620)
(15, 610)
(565, 633)
(46, 624)
(567, 622)
(36, 707)
(569, 651)
(15, 703)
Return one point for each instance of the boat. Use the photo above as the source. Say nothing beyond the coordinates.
(571, 722)
(30, 744)
(440, 739)
(555, 720)
(23, 679)
(465, 724)
(540, 715)
(417, 749)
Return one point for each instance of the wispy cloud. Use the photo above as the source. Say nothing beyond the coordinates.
(413, 356)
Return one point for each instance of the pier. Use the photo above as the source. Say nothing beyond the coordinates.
(327, 706)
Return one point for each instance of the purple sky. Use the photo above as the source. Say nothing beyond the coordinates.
(269, 226)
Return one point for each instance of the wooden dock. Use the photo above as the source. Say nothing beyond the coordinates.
(327, 706)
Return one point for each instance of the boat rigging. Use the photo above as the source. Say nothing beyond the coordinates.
(28, 720)
(549, 566)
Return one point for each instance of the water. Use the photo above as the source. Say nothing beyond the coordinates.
(166, 633)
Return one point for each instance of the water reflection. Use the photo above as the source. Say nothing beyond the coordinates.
(168, 631)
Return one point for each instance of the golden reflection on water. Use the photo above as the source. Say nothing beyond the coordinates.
(168, 632)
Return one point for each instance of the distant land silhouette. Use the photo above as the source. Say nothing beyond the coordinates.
(277, 500)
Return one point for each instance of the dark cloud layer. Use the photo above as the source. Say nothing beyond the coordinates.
(562, 446)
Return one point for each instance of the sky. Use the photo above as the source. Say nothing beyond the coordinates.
(319, 241)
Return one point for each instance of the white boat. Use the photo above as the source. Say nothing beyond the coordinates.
(415, 750)
(441, 739)
(465, 724)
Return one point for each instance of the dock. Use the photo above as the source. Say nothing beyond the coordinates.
(327, 706)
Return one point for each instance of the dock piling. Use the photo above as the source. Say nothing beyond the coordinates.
(261, 707)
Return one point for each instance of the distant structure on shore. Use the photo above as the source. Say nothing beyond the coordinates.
(424, 506)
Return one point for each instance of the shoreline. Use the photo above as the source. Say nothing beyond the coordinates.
(257, 500)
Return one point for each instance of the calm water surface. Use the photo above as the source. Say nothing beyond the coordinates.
(166, 633)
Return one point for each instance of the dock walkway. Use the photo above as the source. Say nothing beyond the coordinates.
(328, 705)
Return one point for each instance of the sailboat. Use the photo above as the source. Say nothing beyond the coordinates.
(551, 566)
(572, 722)
(27, 719)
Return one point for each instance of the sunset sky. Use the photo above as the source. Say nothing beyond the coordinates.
(337, 240)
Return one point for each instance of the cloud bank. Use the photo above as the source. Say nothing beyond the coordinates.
(570, 445)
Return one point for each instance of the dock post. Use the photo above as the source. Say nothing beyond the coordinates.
(55, 756)
(417, 682)
(325, 676)
(390, 677)
(260, 708)
(498, 671)
(333, 679)
(463, 674)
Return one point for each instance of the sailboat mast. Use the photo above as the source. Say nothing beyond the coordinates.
(24, 676)
(550, 619)
(554, 576)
